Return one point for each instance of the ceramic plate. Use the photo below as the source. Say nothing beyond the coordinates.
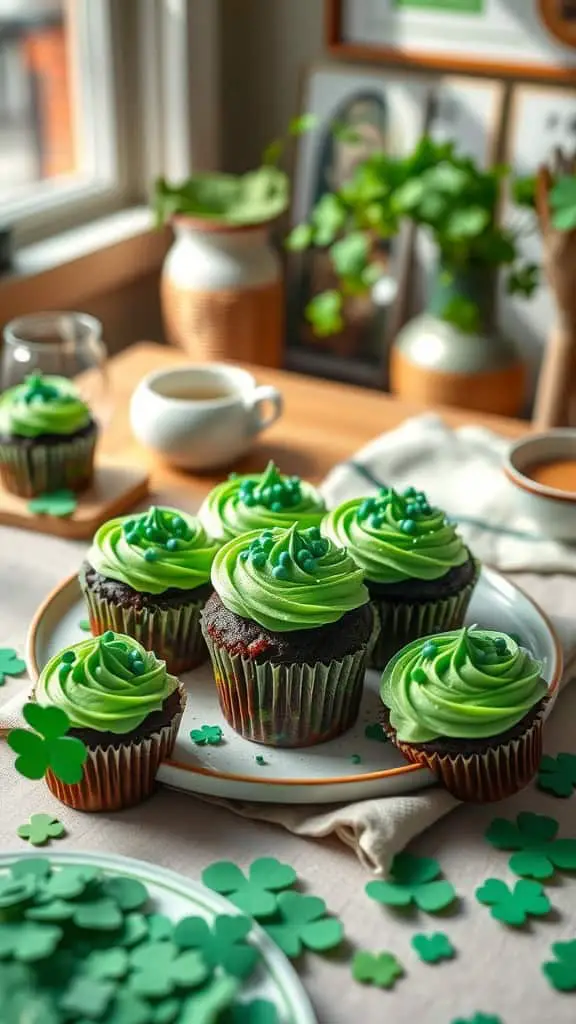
(322, 774)
(176, 896)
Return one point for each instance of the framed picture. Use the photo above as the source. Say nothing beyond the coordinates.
(541, 120)
(499, 37)
(387, 111)
(468, 112)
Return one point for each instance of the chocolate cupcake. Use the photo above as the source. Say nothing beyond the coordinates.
(287, 629)
(124, 706)
(419, 573)
(469, 706)
(47, 437)
(148, 576)
(260, 501)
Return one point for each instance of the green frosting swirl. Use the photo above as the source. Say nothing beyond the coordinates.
(396, 536)
(42, 405)
(159, 549)
(107, 683)
(467, 684)
(287, 579)
(259, 502)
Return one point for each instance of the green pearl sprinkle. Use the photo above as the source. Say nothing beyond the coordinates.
(244, 556)
(309, 565)
(276, 506)
(69, 657)
(280, 572)
(150, 555)
(418, 675)
(138, 667)
(430, 649)
(172, 544)
(408, 526)
(285, 558)
(258, 559)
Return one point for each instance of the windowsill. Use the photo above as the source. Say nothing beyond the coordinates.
(68, 269)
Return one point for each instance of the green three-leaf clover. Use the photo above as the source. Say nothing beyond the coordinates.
(48, 747)
(58, 503)
(433, 948)
(255, 895)
(222, 945)
(158, 967)
(304, 925)
(534, 837)
(561, 973)
(557, 775)
(41, 828)
(207, 735)
(413, 880)
(381, 969)
(10, 664)
(515, 906)
(479, 1018)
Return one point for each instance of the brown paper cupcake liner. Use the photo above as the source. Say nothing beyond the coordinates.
(30, 470)
(288, 705)
(173, 634)
(118, 777)
(401, 623)
(487, 776)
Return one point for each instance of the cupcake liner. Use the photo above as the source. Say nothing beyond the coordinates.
(29, 470)
(288, 705)
(486, 776)
(400, 623)
(118, 777)
(173, 634)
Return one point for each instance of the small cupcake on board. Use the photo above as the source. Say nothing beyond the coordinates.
(148, 576)
(47, 437)
(260, 501)
(126, 708)
(469, 706)
(287, 629)
(418, 570)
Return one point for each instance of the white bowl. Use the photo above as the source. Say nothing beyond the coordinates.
(553, 510)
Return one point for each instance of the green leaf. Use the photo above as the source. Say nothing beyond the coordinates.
(565, 220)
(524, 280)
(409, 196)
(446, 177)
(302, 124)
(328, 218)
(464, 224)
(524, 191)
(299, 238)
(350, 255)
(381, 969)
(433, 948)
(324, 312)
(463, 313)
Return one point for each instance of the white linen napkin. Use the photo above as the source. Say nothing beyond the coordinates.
(461, 472)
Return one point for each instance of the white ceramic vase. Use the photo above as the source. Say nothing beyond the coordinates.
(222, 292)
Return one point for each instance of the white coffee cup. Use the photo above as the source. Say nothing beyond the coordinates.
(201, 417)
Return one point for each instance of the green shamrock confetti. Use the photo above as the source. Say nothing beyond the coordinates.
(205, 1006)
(28, 941)
(159, 967)
(259, 1011)
(88, 997)
(356, 759)
(107, 964)
(85, 626)
(58, 503)
(41, 829)
(255, 895)
(433, 948)
(414, 880)
(207, 735)
(128, 893)
(557, 775)
(374, 731)
(304, 925)
(534, 837)
(16, 891)
(514, 907)
(260, 760)
(479, 1018)
(48, 747)
(381, 969)
(222, 945)
(561, 972)
(10, 664)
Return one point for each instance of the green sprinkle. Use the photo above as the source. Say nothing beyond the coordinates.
(285, 559)
(259, 759)
(244, 556)
(280, 572)
(258, 559)
(356, 759)
(430, 649)
(150, 555)
(309, 565)
(408, 526)
(267, 545)
(172, 544)
(248, 500)
(69, 656)
(410, 492)
(302, 557)
(377, 521)
(418, 675)
(84, 625)
(276, 506)
(138, 667)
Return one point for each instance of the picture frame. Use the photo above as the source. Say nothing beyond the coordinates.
(385, 108)
(510, 38)
(542, 119)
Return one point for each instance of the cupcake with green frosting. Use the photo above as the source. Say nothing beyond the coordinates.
(125, 706)
(418, 570)
(47, 437)
(468, 704)
(288, 629)
(262, 501)
(148, 576)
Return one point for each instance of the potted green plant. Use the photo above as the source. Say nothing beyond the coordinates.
(221, 286)
(451, 349)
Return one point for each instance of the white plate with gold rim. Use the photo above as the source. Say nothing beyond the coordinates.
(329, 773)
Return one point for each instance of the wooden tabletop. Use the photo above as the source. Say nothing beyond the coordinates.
(323, 422)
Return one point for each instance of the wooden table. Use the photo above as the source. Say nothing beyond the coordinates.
(323, 422)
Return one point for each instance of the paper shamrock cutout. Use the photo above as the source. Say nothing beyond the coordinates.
(128, 893)
(255, 895)
(534, 837)
(58, 503)
(356, 759)
(206, 735)
(10, 664)
(479, 1018)
(561, 972)
(433, 948)
(557, 775)
(260, 760)
(303, 924)
(515, 906)
(16, 891)
(222, 945)
(107, 963)
(259, 1011)
(159, 967)
(374, 731)
(87, 997)
(41, 829)
(205, 1006)
(28, 941)
(414, 880)
(48, 747)
(381, 969)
